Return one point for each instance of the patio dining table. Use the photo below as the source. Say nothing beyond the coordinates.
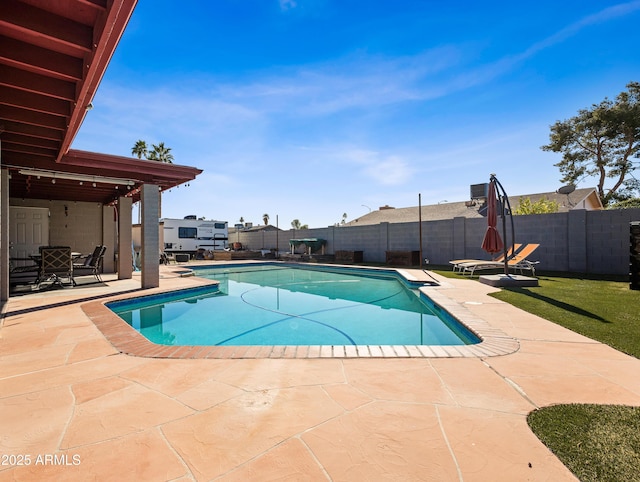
(38, 257)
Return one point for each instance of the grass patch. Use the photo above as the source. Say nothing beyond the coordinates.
(603, 309)
(595, 442)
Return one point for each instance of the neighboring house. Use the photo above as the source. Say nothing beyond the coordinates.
(586, 198)
(250, 228)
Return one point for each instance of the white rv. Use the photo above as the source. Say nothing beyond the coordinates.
(190, 234)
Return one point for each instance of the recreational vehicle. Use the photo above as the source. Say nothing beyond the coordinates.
(189, 235)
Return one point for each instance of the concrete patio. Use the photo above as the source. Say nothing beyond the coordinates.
(73, 407)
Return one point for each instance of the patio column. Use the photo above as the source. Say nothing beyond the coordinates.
(125, 255)
(150, 262)
(4, 235)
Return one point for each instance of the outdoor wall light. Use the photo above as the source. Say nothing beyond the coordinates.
(76, 177)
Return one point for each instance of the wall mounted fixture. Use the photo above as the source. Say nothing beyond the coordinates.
(77, 177)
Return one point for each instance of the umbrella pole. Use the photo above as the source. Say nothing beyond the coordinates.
(504, 236)
(504, 201)
(420, 225)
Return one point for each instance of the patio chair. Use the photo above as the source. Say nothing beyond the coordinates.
(518, 261)
(92, 263)
(166, 258)
(499, 259)
(56, 264)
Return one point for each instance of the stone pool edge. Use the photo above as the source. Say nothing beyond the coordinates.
(125, 339)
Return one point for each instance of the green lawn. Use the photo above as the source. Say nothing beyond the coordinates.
(596, 442)
(603, 309)
(607, 311)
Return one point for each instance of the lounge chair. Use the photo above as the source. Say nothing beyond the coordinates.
(457, 263)
(518, 261)
(92, 264)
(25, 273)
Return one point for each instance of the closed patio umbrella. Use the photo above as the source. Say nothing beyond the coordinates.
(492, 242)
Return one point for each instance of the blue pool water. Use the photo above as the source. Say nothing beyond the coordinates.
(290, 305)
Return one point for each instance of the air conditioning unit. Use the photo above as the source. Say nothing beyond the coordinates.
(479, 191)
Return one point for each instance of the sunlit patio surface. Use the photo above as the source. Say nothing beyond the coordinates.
(73, 407)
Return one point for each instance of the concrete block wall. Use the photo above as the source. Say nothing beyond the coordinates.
(608, 240)
(578, 241)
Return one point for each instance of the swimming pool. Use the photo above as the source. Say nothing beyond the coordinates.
(279, 304)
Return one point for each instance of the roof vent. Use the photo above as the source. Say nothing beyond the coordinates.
(191, 216)
(386, 206)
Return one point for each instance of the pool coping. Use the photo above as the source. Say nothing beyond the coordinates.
(124, 338)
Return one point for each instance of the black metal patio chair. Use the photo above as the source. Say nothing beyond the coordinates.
(55, 264)
(92, 264)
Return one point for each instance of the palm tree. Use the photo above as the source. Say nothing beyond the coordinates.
(295, 224)
(140, 149)
(161, 153)
(265, 218)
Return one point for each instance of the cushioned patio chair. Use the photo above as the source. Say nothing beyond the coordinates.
(518, 261)
(92, 264)
(499, 259)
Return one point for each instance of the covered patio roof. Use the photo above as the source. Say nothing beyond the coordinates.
(53, 55)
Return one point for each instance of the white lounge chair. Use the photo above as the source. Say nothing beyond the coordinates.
(518, 261)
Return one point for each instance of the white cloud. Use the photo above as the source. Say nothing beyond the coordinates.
(390, 171)
(287, 4)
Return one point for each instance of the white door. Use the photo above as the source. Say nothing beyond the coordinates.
(28, 229)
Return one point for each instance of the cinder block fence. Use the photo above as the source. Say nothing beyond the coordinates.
(577, 241)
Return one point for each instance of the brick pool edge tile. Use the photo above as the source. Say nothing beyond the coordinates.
(127, 340)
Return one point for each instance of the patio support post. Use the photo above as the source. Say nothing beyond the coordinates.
(125, 256)
(4, 235)
(150, 259)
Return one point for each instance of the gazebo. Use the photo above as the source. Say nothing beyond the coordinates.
(312, 244)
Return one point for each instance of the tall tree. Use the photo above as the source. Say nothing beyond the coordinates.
(161, 153)
(139, 149)
(601, 142)
(295, 224)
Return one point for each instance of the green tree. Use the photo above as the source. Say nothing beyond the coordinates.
(541, 206)
(626, 204)
(139, 149)
(295, 224)
(161, 153)
(601, 142)
(265, 218)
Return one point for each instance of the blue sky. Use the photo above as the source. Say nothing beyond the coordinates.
(308, 109)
